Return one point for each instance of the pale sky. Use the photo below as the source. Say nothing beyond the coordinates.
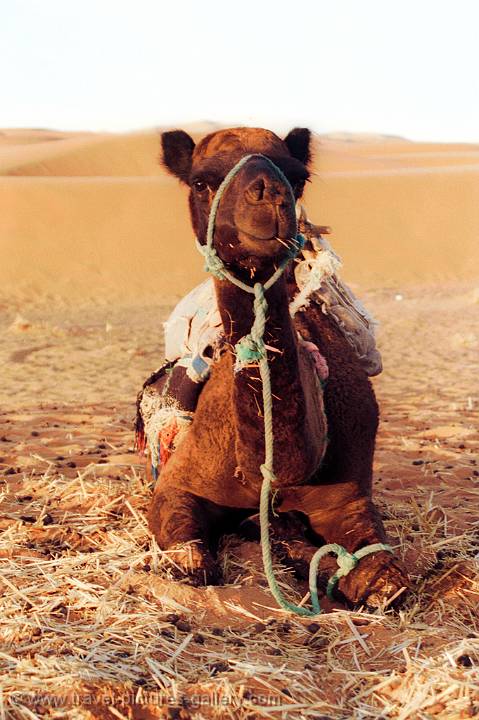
(408, 67)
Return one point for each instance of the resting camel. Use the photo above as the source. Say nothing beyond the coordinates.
(323, 437)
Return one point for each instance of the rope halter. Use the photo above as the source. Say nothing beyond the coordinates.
(251, 348)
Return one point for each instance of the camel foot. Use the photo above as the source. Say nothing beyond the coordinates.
(378, 580)
(196, 563)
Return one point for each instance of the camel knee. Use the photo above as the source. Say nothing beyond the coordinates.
(174, 517)
(352, 522)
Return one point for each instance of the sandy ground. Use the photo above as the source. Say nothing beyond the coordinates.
(93, 623)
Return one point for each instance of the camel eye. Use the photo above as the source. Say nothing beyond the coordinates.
(200, 186)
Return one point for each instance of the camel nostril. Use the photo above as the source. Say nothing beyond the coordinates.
(256, 190)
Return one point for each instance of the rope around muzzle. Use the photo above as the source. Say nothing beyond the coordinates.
(251, 348)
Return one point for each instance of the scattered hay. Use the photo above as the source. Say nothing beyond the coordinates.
(95, 621)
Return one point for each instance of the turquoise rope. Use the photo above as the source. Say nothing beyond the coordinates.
(251, 348)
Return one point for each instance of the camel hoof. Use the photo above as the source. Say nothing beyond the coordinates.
(195, 563)
(379, 580)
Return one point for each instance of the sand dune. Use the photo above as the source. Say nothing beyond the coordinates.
(92, 155)
(47, 153)
(81, 238)
(88, 215)
(393, 228)
(95, 247)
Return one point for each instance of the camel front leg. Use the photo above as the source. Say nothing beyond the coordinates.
(179, 521)
(339, 513)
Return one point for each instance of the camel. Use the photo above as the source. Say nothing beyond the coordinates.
(324, 437)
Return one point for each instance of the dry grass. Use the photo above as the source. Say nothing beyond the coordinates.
(90, 610)
(95, 623)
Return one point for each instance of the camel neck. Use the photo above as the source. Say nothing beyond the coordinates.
(236, 310)
(294, 432)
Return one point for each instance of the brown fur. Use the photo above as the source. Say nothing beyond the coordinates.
(213, 479)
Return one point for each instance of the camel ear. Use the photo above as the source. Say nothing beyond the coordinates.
(177, 149)
(298, 141)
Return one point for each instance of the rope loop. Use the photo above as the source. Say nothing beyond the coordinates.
(267, 473)
(346, 562)
(213, 263)
(251, 347)
(247, 351)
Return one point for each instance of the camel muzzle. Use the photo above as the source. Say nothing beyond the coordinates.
(266, 206)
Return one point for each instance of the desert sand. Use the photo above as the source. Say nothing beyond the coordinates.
(95, 248)
(88, 216)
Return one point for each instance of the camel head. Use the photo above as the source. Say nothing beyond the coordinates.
(256, 219)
